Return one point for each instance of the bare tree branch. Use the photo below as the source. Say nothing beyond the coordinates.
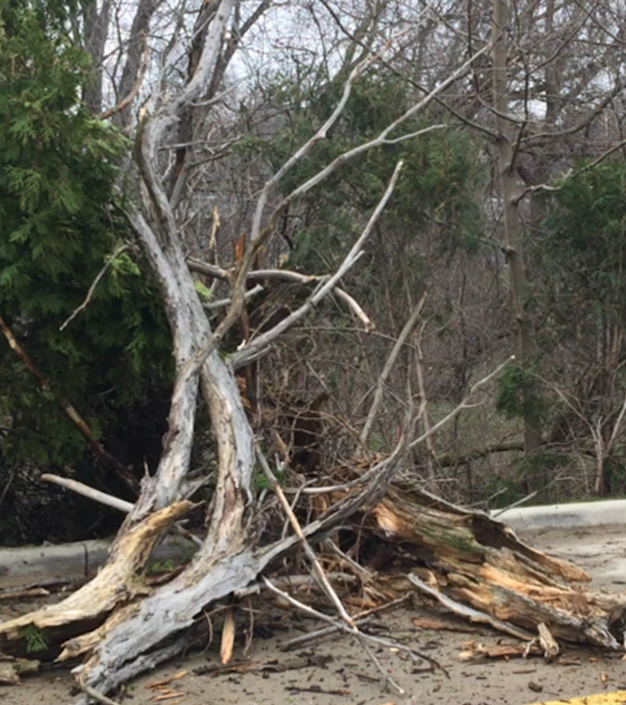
(96, 281)
(253, 349)
(388, 367)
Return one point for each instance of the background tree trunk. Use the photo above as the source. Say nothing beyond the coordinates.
(507, 143)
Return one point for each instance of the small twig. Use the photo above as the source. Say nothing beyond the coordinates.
(463, 405)
(69, 409)
(299, 641)
(220, 303)
(374, 471)
(96, 495)
(571, 173)
(356, 309)
(523, 500)
(364, 574)
(250, 634)
(293, 504)
(351, 629)
(209, 621)
(96, 281)
(294, 581)
(361, 619)
(388, 367)
(617, 428)
(93, 693)
(135, 89)
(6, 487)
(299, 689)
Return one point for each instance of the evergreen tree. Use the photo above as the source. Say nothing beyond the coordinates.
(59, 223)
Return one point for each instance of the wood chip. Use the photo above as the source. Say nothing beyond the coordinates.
(548, 642)
(443, 625)
(503, 651)
(167, 681)
(228, 637)
(35, 592)
(616, 698)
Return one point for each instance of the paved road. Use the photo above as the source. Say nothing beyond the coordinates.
(591, 534)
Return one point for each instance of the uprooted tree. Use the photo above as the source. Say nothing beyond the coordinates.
(117, 623)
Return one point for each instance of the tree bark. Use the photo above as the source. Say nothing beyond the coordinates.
(132, 65)
(96, 32)
(506, 150)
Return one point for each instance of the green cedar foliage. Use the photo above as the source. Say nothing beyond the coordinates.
(58, 226)
(585, 244)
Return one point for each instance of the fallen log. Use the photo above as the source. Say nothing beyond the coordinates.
(477, 565)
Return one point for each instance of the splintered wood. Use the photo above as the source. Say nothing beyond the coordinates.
(375, 544)
(12, 668)
(479, 569)
(164, 693)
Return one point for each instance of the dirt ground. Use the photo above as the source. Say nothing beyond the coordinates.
(337, 671)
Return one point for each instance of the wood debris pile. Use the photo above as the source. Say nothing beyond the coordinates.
(372, 543)
(477, 568)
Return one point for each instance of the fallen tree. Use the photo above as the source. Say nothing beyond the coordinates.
(119, 624)
(472, 564)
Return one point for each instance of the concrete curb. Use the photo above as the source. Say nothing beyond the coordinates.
(565, 516)
(72, 561)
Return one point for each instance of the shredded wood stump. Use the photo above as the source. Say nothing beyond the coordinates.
(479, 569)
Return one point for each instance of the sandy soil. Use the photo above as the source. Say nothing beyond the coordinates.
(331, 672)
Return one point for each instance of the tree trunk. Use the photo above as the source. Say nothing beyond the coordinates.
(96, 32)
(505, 144)
(141, 24)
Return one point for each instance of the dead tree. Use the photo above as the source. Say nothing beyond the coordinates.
(117, 623)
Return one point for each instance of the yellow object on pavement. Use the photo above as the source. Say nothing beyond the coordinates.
(616, 698)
